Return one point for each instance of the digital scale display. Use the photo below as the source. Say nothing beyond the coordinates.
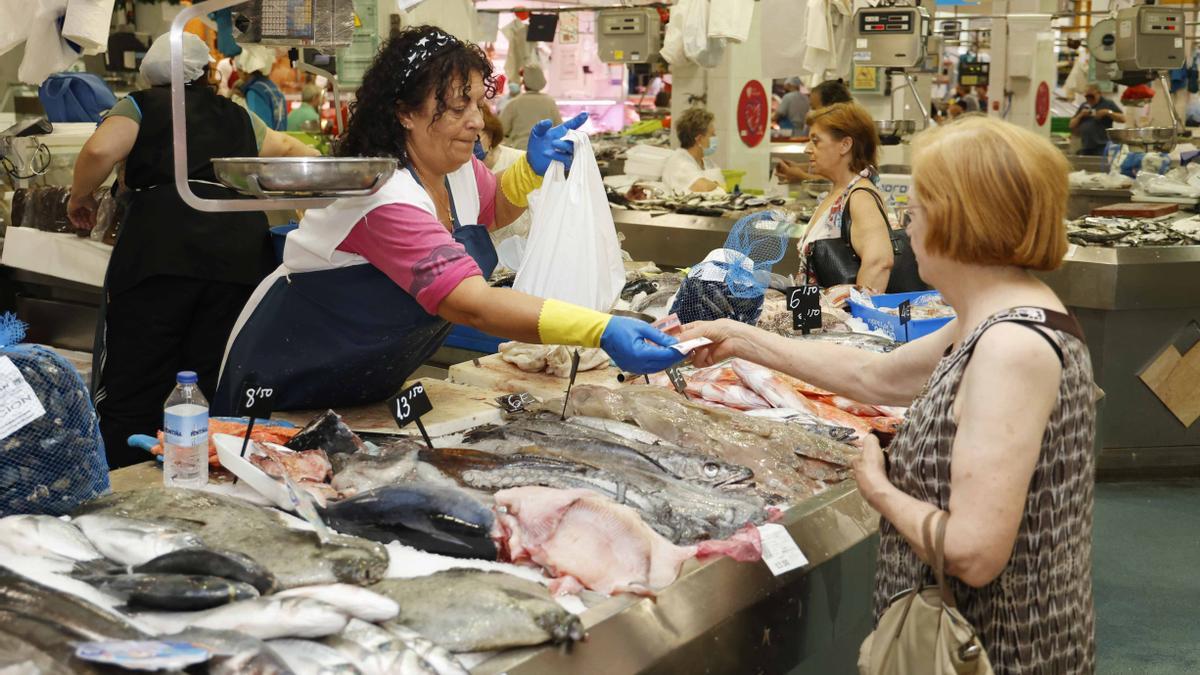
(885, 22)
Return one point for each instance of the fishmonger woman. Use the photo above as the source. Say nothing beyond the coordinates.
(370, 285)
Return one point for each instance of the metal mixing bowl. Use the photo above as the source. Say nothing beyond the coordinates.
(1151, 139)
(307, 176)
(895, 128)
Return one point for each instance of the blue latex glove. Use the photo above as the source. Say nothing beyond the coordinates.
(546, 144)
(635, 346)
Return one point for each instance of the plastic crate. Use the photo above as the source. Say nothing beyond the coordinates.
(890, 323)
(464, 337)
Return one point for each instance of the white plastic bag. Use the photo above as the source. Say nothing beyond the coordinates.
(573, 254)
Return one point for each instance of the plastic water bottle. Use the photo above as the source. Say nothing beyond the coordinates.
(185, 435)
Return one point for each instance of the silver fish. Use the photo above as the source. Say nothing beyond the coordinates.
(356, 601)
(360, 471)
(24, 597)
(133, 542)
(44, 536)
(306, 657)
(377, 651)
(295, 557)
(264, 618)
(870, 343)
(436, 657)
(471, 611)
(233, 653)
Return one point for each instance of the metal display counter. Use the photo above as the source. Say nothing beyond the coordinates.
(1082, 200)
(1134, 303)
(674, 240)
(729, 617)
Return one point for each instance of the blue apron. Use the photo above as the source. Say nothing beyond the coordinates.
(340, 337)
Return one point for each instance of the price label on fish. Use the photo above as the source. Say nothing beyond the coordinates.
(256, 400)
(805, 303)
(780, 552)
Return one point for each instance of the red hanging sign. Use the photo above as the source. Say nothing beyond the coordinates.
(1042, 105)
(752, 112)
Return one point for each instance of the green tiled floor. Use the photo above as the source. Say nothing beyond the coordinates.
(1147, 578)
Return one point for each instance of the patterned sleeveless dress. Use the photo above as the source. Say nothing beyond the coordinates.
(1037, 616)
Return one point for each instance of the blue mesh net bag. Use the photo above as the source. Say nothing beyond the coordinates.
(730, 282)
(51, 454)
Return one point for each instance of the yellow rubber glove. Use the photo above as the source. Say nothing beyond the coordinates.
(562, 323)
(518, 181)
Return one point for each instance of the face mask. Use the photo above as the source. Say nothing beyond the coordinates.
(480, 153)
(514, 89)
(712, 146)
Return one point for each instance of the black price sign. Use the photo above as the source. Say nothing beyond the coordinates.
(805, 303)
(411, 404)
(515, 403)
(255, 400)
(905, 312)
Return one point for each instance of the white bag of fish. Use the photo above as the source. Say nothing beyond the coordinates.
(573, 254)
(51, 454)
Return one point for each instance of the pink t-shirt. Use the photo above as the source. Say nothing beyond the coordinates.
(415, 249)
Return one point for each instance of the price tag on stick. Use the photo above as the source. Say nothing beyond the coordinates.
(409, 406)
(570, 382)
(805, 303)
(255, 401)
(905, 313)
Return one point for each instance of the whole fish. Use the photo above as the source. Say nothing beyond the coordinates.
(356, 601)
(44, 536)
(431, 518)
(133, 542)
(765, 383)
(85, 621)
(306, 657)
(360, 471)
(174, 592)
(233, 652)
(472, 611)
(264, 618)
(376, 651)
(786, 460)
(433, 655)
(864, 341)
(293, 556)
(211, 562)
(18, 655)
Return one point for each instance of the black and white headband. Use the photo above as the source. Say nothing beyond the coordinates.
(425, 49)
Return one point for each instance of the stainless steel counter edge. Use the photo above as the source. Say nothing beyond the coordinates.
(1161, 277)
(627, 634)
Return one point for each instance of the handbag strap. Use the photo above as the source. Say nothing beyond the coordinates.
(845, 214)
(935, 546)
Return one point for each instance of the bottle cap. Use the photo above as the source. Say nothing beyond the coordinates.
(186, 377)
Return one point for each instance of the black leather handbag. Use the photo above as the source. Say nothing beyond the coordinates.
(835, 262)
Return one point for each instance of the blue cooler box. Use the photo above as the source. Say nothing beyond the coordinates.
(890, 323)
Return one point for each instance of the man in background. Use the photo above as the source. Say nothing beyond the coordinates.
(527, 109)
(1093, 120)
(793, 108)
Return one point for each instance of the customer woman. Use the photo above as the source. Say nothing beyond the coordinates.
(844, 147)
(691, 168)
(370, 285)
(177, 277)
(1001, 418)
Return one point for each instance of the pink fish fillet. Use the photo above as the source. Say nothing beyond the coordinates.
(733, 396)
(766, 384)
(585, 540)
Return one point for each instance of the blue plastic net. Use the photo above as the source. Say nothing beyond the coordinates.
(51, 462)
(731, 281)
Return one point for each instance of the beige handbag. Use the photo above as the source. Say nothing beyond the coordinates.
(922, 633)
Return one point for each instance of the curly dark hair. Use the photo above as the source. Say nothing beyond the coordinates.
(374, 129)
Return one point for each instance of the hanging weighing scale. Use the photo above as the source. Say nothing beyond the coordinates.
(1150, 38)
(896, 38)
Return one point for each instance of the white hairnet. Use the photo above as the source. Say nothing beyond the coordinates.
(156, 65)
(255, 59)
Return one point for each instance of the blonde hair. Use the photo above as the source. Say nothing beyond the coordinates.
(853, 120)
(992, 192)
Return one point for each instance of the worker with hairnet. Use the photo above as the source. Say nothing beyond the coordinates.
(263, 97)
(527, 109)
(177, 277)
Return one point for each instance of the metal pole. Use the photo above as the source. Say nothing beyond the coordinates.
(1166, 87)
(337, 93)
(179, 130)
(912, 86)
